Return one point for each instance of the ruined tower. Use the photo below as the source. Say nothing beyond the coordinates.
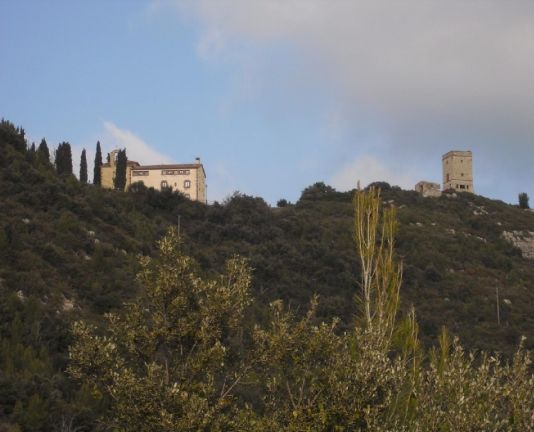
(458, 171)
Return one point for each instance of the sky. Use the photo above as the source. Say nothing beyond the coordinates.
(276, 95)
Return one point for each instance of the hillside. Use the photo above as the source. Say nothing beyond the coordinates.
(69, 250)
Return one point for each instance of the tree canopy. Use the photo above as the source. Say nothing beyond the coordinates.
(63, 159)
(523, 201)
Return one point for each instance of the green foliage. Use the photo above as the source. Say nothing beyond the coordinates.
(175, 359)
(282, 203)
(83, 167)
(63, 245)
(166, 361)
(63, 159)
(97, 175)
(119, 180)
(43, 154)
(523, 201)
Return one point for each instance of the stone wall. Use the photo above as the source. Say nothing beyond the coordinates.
(428, 189)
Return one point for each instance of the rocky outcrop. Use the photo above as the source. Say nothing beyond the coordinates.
(523, 240)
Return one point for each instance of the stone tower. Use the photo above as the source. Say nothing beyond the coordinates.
(458, 171)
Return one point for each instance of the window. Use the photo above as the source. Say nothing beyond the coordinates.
(164, 184)
(462, 186)
(187, 196)
(139, 173)
(462, 174)
(187, 184)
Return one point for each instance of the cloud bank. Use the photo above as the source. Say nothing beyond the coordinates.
(406, 60)
(431, 76)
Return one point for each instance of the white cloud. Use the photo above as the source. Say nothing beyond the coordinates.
(114, 137)
(138, 150)
(368, 169)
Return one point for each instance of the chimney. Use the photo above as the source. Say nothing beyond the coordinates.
(197, 161)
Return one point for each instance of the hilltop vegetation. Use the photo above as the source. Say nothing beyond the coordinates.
(69, 250)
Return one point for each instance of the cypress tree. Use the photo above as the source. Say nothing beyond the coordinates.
(83, 167)
(120, 173)
(43, 154)
(64, 159)
(97, 178)
(31, 152)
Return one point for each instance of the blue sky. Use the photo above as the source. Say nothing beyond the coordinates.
(274, 96)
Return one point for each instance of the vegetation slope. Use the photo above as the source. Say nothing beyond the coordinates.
(70, 250)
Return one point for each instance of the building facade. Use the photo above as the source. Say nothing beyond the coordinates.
(189, 179)
(458, 171)
(108, 170)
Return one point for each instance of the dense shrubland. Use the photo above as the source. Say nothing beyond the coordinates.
(181, 356)
(70, 251)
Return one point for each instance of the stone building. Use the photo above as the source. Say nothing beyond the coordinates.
(189, 179)
(458, 171)
(428, 189)
(107, 171)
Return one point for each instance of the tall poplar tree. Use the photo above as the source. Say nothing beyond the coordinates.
(64, 159)
(83, 167)
(97, 177)
(120, 174)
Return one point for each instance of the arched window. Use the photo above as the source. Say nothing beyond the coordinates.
(187, 184)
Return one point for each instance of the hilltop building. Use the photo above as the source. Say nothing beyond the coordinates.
(458, 171)
(107, 171)
(428, 189)
(189, 179)
(457, 175)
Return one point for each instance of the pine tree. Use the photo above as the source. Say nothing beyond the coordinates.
(120, 174)
(43, 154)
(83, 167)
(523, 201)
(64, 159)
(97, 177)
